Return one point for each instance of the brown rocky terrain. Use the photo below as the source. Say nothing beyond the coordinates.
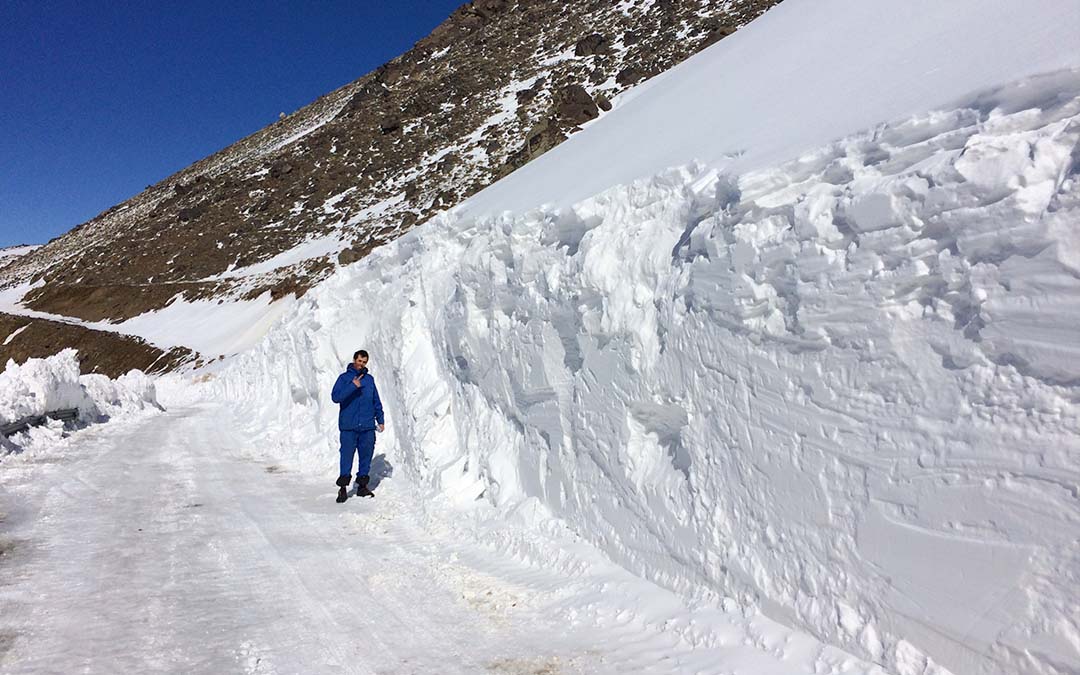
(102, 352)
(497, 84)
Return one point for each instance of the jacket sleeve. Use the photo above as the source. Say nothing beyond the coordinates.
(342, 388)
(377, 401)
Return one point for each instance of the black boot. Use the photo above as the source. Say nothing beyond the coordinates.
(362, 489)
(343, 488)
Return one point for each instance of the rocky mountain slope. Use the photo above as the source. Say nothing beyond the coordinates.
(497, 84)
(102, 352)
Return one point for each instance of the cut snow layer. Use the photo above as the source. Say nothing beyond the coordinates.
(835, 387)
(802, 75)
(41, 386)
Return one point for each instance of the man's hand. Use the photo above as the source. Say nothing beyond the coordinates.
(356, 381)
(381, 427)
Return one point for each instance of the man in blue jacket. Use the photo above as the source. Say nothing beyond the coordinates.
(360, 415)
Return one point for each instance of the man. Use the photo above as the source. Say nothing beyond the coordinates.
(360, 415)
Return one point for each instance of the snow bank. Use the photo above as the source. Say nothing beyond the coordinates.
(42, 385)
(47, 385)
(842, 388)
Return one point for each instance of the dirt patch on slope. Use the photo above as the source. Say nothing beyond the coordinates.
(112, 302)
(102, 352)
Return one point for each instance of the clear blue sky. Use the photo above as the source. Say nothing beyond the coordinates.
(100, 99)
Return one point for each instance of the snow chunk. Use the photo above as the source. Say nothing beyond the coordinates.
(41, 386)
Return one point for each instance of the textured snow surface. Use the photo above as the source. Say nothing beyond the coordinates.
(47, 385)
(842, 388)
(804, 74)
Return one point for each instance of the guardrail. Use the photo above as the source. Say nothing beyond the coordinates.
(25, 423)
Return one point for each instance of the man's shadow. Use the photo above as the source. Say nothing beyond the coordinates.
(380, 468)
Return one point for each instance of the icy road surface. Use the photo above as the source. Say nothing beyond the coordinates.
(158, 544)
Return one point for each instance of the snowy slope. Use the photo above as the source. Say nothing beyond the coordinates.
(9, 254)
(825, 365)
(13, 251)
(802, 75)
(210, 327)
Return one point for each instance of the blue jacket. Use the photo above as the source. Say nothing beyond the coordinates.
(360, 406)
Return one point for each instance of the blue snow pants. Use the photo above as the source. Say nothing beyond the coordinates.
(352, 442)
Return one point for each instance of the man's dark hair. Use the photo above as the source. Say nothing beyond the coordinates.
(359, 352)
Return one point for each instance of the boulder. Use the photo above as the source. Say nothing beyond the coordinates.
(190, 213)
(574, 105)
(279, 169)
(631, 75)
(594, 43)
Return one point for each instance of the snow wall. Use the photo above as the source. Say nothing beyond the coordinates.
(843, 388)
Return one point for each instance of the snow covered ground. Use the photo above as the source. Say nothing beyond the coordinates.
(802, 75)
(10, 253)
(788, 338)
(170, 544)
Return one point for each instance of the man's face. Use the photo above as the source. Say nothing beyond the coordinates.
(360, 362)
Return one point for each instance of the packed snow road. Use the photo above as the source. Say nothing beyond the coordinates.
(157, 544)
(160, 551)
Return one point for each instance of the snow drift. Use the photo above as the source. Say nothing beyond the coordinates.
(47, 385)
(840, 386)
